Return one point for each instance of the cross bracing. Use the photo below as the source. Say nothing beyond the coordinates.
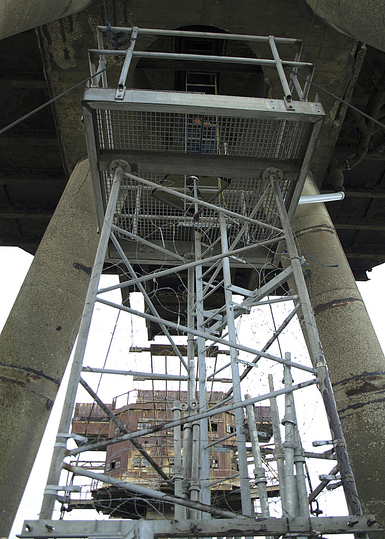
(201, 226)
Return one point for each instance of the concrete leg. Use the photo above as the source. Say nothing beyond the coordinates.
(353, 354)
(37, 339)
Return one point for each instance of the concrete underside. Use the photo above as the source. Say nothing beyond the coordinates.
(64, 47)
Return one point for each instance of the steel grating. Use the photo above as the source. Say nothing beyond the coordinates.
(229, 142)
(140, 212)
(199, 134)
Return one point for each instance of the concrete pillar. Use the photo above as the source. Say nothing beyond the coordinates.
(19, 15)
(39, 334)
(353, 354)
(362, 20)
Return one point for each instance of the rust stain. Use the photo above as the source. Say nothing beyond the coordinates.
(29, 373)
(366, 385)
(8, 380)
(334, 303)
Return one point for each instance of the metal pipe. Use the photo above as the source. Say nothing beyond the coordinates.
(126, 65)
(259, 472)
(325, 197)
(177, 469)
(241, 439)
(223, 60)
(191, 393)
(207, 35)
(65, 420)
(291, 498)
(201, 349)
(279, 452)
(195, 460)
(138, 374)
(299, 463)
(281, 72)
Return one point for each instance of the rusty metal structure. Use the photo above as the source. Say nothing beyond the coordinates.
(126, 462)
(200, 186)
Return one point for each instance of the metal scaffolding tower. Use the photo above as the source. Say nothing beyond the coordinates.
(199, 189)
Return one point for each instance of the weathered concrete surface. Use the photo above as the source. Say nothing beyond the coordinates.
(363, 20)
(64, 46)
(353, 354)
(38, 336)
(16, 16)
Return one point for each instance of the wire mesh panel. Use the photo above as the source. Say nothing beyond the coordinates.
(199, 134)
(148, 214)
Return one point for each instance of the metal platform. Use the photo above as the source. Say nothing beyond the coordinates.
(166, 136)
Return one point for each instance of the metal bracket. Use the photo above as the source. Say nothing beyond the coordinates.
(119, 163)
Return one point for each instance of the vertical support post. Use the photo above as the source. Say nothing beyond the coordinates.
(241, 440)
(177, 468)
(318, 359)
(191, 396)
(204, 437)
(259, 472)
(288, 421)
(65, 420)
(279, 452)
(195, 478)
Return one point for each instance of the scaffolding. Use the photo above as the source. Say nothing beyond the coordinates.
(202, 188)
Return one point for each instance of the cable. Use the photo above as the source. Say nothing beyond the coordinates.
(310, 29)
(337, 98)
(316, 259)
(44, 105)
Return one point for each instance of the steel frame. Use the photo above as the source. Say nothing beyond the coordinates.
(197, 501)
(205, 326)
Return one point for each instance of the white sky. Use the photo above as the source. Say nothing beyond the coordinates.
(14, 264)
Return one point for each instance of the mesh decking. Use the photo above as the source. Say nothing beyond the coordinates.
(199, 134)
(149, 217)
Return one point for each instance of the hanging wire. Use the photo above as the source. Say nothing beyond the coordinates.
(54, 99)
(310, 30)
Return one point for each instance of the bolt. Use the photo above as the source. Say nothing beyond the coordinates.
(371, 521)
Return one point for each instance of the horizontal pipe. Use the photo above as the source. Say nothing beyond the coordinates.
(147, 375)
(326, 197)
(206, 35)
